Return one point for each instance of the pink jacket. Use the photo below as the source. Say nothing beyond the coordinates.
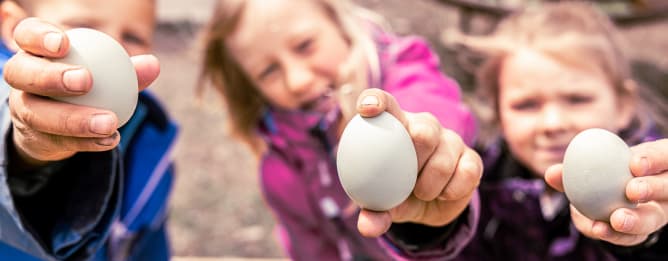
(298, 173)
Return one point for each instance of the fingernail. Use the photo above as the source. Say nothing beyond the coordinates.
(644, 163)
(108, 141)
(628, 223)
(75, 80)
(102, 124)
(52, 42)
(642, 188)
(370, 100)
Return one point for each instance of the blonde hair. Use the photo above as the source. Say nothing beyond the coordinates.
(244, 102)
(571, 32)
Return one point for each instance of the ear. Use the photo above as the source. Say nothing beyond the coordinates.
(10, 16)
(627, 103)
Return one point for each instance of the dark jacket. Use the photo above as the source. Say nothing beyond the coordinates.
(512, 226)
(94, 206)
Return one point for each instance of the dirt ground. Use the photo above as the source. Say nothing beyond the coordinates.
(216, 207)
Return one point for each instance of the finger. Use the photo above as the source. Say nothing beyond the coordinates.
(642, 220)
(41, 38)
(410, 210)
(466, 179)
(434, 213)
(554, 177)
(47, 147)
(644, 189)
(372, 102)
(603, 231)
(582, 223)
(373, 224)
(649, 158)
(437, 159)
(49, 116)
(43, 77)
(148, 69)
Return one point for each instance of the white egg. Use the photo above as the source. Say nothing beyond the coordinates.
(376, 162)
(595, 174)
(114, 77)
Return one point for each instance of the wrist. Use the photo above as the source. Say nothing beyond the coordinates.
(20, 160)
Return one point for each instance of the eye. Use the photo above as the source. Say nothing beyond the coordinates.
(135, 39)
(79, 24)
(525, 105)
(579, 99)
(268, 71)
(305, 46)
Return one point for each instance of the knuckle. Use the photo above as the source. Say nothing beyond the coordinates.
(425, 192)
(470, 172)
(24, 118)
(451, 137)
(421, 136)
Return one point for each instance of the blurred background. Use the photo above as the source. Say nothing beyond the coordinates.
(216, 208)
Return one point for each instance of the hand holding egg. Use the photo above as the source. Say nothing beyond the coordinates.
(47, 129)
(447, 170)
(627, 226)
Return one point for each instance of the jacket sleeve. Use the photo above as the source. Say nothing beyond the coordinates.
(411, 73)
(67, 217)
(300, 237)
(421, 242)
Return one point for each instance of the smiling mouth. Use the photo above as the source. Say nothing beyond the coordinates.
(322, 103)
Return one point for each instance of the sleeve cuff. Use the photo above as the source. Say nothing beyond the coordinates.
(419, 242)
(72, 214)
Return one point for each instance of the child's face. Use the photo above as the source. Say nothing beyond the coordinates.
(131, 22)
(543, 104)
(292, 51)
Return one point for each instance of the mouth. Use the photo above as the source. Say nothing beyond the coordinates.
(554, 152)
(323, 103)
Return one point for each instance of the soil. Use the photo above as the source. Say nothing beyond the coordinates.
(216, 207)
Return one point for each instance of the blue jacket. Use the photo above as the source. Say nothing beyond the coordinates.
(94, 206)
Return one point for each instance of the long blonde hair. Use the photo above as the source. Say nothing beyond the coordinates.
(244, 102)
(571, 32)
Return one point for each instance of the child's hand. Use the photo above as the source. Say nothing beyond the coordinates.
(449, 170)
(48, 130)
(649, 187)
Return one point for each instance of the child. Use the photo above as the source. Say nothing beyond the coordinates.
(550, 73)
(69, 198)
(290, 72)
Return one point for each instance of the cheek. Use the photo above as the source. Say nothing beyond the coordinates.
(516, 130)
(511, 122)
(333, 55)
(604, 115)
(275, 96)
(331, 60)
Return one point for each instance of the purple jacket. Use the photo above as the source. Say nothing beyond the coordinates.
(298, 174)
(512, 225)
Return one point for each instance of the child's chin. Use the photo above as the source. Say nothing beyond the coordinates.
(539, 169)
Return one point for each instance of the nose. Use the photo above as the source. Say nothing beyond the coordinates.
(299, 77)
(553, 119)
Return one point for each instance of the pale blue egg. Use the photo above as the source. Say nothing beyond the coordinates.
(377, 162)
(115, 84)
